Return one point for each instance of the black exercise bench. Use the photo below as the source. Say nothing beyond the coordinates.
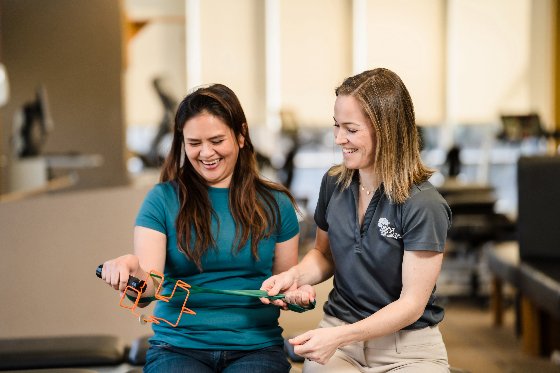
(61, 352)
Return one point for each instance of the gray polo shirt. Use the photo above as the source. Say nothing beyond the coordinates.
(368, 258)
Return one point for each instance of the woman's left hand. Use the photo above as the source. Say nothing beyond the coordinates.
(317, 345)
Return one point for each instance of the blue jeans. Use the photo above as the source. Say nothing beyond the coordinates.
(162, 357)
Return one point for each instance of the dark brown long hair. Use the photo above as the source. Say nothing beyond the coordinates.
(385, 101)
(252, 204)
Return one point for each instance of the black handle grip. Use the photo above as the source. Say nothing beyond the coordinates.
(133, 282)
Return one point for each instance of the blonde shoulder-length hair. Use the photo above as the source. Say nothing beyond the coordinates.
(385, 101)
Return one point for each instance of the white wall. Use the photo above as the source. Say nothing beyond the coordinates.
(463, 61)
(409, 37)
(316, 56)
(488, 59)
(541, 59)
(232, 51)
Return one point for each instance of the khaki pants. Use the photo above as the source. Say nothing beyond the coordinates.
(419, 351)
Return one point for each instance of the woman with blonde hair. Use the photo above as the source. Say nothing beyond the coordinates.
(381, 231)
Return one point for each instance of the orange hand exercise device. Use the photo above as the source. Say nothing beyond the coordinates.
(134, 285)
(143, 319)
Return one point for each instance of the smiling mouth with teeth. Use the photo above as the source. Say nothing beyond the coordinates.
(211, 163)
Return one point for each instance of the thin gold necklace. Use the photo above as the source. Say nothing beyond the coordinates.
(368, 192)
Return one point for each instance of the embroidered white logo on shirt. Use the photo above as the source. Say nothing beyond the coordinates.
(386, 230)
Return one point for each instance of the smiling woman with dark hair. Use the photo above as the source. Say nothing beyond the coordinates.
(212, 222)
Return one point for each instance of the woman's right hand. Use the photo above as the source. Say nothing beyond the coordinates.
(302, 296)
(116, 271)
(279, 283)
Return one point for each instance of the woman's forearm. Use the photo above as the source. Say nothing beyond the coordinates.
(391, 318)
(314, 268)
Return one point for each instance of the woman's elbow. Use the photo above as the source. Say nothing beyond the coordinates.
(415, 308)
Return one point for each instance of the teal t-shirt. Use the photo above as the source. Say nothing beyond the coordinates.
(222, 322)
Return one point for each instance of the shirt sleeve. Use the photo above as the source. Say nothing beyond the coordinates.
(322, 203)
(152, 211)
(426, 220)
(288, 218)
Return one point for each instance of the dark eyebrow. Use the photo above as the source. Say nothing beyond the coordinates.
(213, 138)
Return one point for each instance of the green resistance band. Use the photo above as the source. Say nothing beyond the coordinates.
(248, 293)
